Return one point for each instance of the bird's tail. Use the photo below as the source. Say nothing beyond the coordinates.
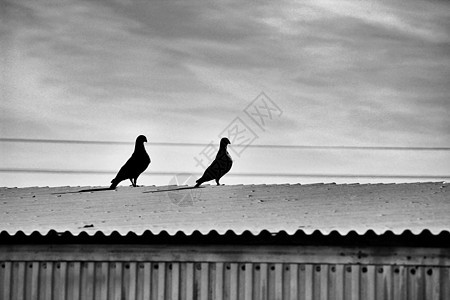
(114, 183)
(199, 181)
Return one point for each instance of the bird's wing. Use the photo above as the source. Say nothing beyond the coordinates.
(211, 172)
(219, 167)
(127, 169)
(224, 163)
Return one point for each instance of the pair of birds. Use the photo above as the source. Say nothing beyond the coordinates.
(139, 161)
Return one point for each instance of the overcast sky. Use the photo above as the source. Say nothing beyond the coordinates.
(353, 73)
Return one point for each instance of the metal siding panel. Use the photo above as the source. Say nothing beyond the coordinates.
(180, 280)
(234, 279)
(445, 283)
(218, 293)
(278, 281)
(13, 276)
(183, 266)
(197, 280)
(226, 281)
(411, 283)
(339, 279)
(400, 283)
(212, 280)
(73, 281)
(379, 288)
(125, 280)
(286, 281)
(204, 280)
(132, 281)
(28, 272)
(41, 282)
(306, 276)
(271, 281)
(168, 281)
(147, 281)
(316, 280)
(263, 282)
(347, 282)
(363, 283)
(139, 280)
(34, 288)
(332, 282)
(293, 283)
(415, 283)
(367, 285)
(87, 281)
(356, 282)
(18, 284)
(60, 277)
(241, 281)
(324, 282)
(47, 277)
(189, 281)
(248, 281)
(111, 279)
(117, 280)
(6, 282)
(154, 281)
(421, 282)
(161, 280)
(432, 283)
(175, 281)
(384, 283)
(256, 281)
(371, 282)
(101, 281)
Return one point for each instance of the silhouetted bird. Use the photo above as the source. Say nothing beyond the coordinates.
(220, 166)
(135, 165)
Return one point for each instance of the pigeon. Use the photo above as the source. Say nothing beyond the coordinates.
(220, 166)
(135, 165)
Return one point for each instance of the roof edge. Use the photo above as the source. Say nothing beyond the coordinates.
(407, 238)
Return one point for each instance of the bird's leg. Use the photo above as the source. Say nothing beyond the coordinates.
(217, 181)
(132, 183)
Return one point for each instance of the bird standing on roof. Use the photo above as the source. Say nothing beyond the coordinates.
(135, 165)
(220, 166)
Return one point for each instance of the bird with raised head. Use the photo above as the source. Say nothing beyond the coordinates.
(220, 166)
(136, 164)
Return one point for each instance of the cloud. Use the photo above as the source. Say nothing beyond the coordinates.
(347, 72)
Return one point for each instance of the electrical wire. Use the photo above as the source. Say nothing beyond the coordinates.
(170, 144)
(180, 173)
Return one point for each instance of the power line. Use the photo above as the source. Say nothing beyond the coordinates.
(285, 175)
(50, 141)
(171, 144)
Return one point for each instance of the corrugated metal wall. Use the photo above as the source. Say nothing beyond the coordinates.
(75, 280)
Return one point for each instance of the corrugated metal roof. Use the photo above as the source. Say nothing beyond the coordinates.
(255, 208)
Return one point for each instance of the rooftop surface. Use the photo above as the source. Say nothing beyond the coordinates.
(275, 208)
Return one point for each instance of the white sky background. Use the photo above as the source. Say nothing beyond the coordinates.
(353, 73)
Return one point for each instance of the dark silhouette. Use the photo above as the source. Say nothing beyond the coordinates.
(220, 166)
(84, 191)
(135, 165)
(171, 189)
